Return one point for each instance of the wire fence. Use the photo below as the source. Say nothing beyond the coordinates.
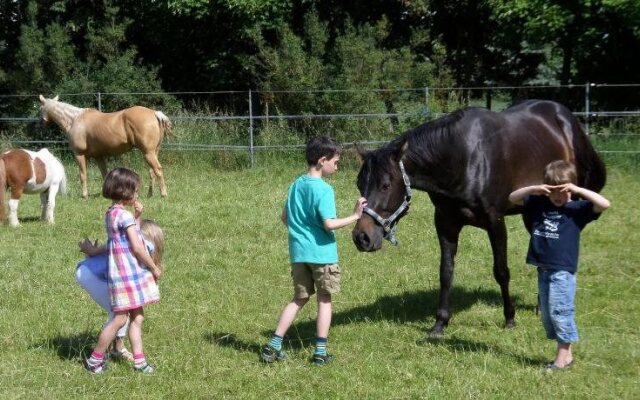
(254, 121)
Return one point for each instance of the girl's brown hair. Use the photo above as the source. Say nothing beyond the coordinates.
(120, 184)
(560, 172)
(154, 233)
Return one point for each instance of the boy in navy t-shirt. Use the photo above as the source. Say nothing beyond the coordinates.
(556, 223)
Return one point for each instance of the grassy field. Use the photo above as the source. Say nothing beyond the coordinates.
(227, 279)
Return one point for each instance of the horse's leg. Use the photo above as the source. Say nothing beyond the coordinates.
(14, 201)
(498, 237)
(102, 165)
(448, 230)
(82, 165)
(152, 181)
(50, 198)
(43, 205)
(152, 159)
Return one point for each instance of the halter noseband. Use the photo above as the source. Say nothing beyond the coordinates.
(389, 225)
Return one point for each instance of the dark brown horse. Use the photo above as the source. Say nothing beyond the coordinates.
(468, 162)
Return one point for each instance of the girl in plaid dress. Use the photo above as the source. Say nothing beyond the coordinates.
(93, 271)
(132, 272)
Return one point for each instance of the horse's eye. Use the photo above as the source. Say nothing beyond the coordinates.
(386, 186)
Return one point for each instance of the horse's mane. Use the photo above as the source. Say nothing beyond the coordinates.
(428, 137)
(63, 113)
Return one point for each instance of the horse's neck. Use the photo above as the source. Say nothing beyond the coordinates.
(429, 157)
(64, 114)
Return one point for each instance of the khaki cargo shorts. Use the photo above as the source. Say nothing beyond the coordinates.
(308, 277)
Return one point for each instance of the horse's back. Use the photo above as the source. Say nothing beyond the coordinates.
(114, 133)
(504, 151)
(540, 131)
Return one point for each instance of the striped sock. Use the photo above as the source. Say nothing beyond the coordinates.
(96, 358)
(139, 360)
(321, 347)
(276, 342)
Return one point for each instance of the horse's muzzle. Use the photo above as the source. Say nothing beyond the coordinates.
(366, 242)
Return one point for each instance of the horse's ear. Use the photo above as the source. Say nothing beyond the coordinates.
(399, 153)
(42, 99)
(361, 150)
(56, 98)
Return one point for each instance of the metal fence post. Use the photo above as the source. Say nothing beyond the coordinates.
(99, 102)
(251, 148)
(587, 87)
(426, 101)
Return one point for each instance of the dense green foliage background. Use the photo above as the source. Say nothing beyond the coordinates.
(71, 46)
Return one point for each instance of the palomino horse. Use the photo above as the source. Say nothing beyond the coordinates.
(469, 162)
(94, 134)
(29, 172)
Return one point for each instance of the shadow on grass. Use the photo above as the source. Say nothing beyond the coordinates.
(226, 339)
(30, 219)
(73, 347)
(462, 345)
(404, 308)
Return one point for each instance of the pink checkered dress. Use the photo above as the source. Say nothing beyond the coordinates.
(130, 285)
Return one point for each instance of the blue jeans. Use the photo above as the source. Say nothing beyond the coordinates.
(556, 293)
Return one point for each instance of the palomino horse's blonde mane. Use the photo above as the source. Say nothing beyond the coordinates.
(63, 114)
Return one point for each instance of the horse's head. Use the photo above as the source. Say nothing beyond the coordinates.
(385, 185)
(45, 109)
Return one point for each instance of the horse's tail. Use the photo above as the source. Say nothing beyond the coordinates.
(63, 179)
(3, 188)
(165, 124)
(55, 163)
(592, 173)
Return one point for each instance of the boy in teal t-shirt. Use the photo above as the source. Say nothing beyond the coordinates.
(310, 216)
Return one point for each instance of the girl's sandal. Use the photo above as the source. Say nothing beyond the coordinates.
(123, 354)
(145, 369)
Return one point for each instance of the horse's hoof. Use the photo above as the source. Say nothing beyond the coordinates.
(510, 324)
(436, 335)
(431, 337)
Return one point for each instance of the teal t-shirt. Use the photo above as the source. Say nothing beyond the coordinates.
(310, 202)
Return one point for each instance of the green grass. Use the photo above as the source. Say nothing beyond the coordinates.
(227, 279)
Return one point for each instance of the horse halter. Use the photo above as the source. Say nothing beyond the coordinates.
(389, 225)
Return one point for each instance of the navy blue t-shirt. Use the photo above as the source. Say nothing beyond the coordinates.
(555, 232)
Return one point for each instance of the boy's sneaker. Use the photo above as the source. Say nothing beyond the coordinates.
(99, 368)
(146, 368)
(269, 354)
(322, 360)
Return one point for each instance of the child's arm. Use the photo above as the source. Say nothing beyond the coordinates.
(91, 249)
(337, 223)
(600, 203)
(518, 196)
(140, 251)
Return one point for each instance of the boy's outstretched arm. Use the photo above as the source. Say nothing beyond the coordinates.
(517, 196)
(337, 223)
(600, 203)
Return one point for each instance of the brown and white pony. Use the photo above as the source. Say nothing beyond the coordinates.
(97, 135)
(30, 172)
